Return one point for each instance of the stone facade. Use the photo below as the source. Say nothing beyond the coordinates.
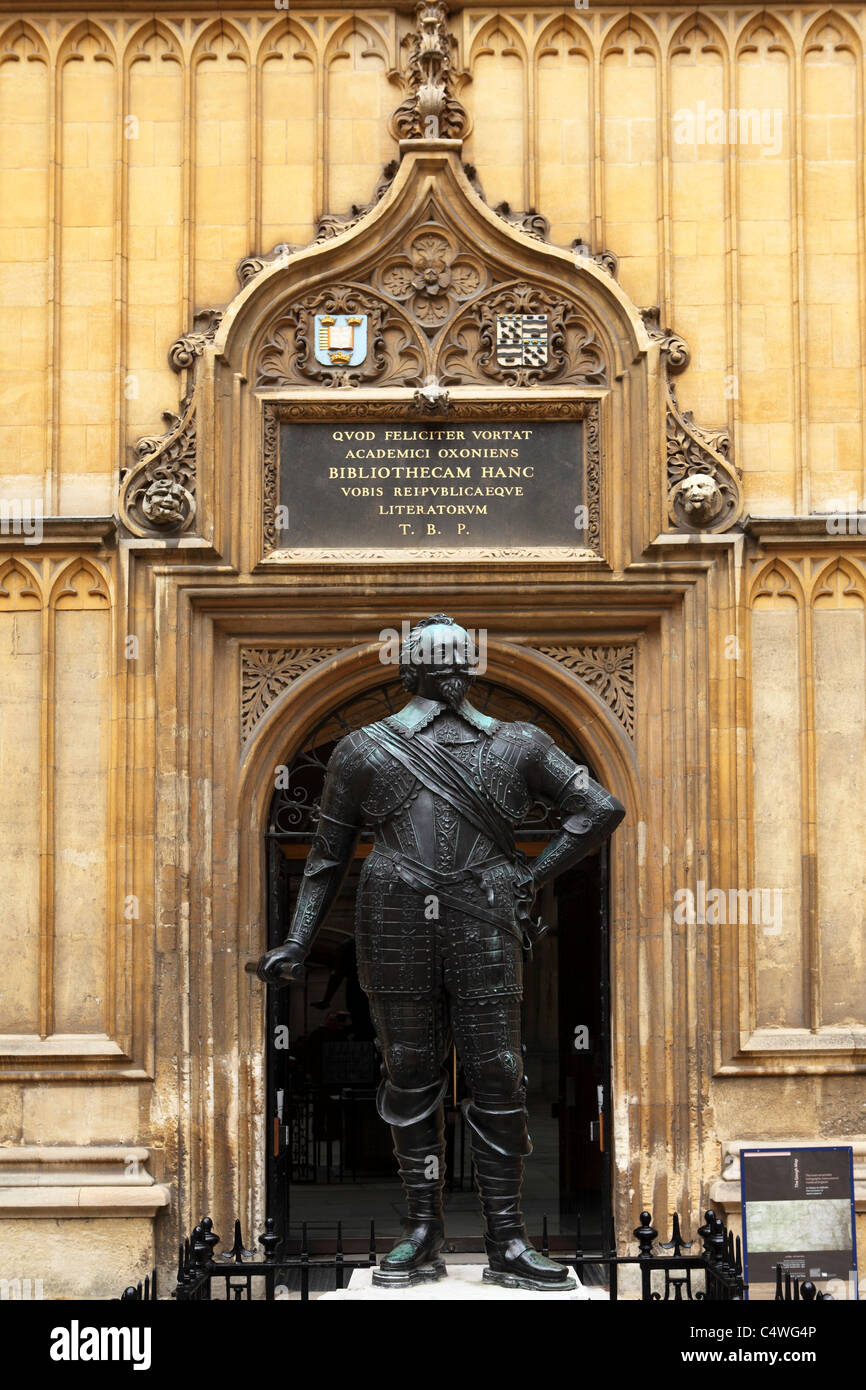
(673, 179)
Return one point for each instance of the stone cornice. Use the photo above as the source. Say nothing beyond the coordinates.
(78, 531)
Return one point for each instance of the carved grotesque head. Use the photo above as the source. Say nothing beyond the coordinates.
(699, 499)
(440, 655)
(165, 503)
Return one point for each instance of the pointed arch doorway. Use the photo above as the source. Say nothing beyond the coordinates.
(328, 1154)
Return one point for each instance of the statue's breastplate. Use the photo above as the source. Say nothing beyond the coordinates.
(503, 780)
(410, 818)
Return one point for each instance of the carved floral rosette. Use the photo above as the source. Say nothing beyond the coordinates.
(433, 276)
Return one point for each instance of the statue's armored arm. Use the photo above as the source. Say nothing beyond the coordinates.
(588, 814)
(330, 855)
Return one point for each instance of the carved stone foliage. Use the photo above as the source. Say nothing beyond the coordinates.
(431, 108)
(608, 260)
(332, 224)
(266, 672)
(251, 266)
(157, 495)
(287, 355)
(704, 491)
(432, 276)
(608, 670)
(531, 223)
(184, 350)
(574, 354)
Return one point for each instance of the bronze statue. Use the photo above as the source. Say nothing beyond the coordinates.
(442, 925)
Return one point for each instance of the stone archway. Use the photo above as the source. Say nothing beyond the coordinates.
(533, 680)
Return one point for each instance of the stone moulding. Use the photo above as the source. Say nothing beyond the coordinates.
(607, 669)
(414, 409)
(266, 672)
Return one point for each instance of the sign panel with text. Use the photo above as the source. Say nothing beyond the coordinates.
(401, 484)
(798, 1212)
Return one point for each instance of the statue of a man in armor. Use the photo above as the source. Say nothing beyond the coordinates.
(443, 921)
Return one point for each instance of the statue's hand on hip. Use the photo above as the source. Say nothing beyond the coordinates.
(283, 965)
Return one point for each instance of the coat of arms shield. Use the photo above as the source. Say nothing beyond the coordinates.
(340, 339)
(521, 340)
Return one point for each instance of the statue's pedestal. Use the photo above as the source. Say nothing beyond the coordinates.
(464, 1282)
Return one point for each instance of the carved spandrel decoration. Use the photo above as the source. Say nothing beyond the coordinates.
(157, 495)
(266, 672)
(448, 411)
(608, 670)
(704, 485)
(431, 109)
(432, 306)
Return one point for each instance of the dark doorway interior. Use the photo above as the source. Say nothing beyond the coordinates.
(329, 1154)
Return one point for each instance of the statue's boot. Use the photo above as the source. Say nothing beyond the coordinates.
(420, 1150)
(499, 1142)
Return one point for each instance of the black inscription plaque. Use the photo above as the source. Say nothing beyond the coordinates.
(409, 485)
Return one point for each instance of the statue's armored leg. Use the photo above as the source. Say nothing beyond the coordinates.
(418, 1129)
(412, 1039)
(499, 1142)
(488, 1038)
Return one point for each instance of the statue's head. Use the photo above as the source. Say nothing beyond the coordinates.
(438, 660)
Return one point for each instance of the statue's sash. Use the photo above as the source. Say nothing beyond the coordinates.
(439, 771)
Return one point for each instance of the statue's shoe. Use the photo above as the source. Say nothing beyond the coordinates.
(415, 1258)
(514, 1264)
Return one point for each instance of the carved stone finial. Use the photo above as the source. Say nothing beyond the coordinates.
(675, 350)
(430, 110)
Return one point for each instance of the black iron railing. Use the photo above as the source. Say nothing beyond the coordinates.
(672, 1271)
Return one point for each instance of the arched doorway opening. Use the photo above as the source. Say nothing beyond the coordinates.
(328, 1154)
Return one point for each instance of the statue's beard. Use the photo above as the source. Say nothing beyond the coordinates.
(452, 690)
